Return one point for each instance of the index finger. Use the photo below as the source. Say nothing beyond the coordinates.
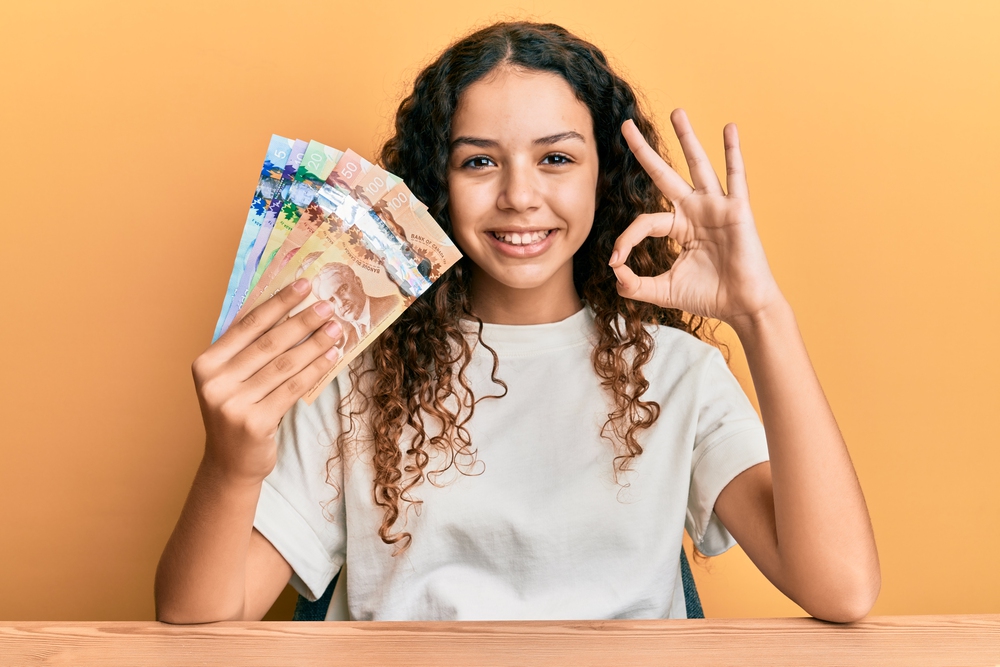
(248, 329)
(668, 181)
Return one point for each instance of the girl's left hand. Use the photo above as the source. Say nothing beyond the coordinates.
(721, 271)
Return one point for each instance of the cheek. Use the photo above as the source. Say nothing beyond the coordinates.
(575, 203)
(467, 204)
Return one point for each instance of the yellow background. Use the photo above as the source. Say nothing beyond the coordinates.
(131, 138)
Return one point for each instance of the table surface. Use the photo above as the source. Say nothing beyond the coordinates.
(913, 641)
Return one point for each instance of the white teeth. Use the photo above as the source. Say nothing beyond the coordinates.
(527, 238)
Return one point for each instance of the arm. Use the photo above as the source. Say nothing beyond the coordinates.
(216, 566)
(801, 517)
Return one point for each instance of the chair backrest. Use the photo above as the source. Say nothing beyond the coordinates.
(316, 611)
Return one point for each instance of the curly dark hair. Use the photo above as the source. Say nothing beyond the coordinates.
(417, 367)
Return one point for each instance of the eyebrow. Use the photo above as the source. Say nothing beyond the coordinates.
(490, 143)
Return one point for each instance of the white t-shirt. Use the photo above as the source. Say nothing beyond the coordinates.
(543, 531)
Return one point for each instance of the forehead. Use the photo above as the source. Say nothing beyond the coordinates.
(513, 104)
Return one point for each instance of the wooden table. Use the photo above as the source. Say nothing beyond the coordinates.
(910, 641)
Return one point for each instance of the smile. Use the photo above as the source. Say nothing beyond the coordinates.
(522, 245)
(526, 238)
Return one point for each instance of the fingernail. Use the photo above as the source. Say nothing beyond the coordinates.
(332, 329)
(332, 353)
(614, 257)
(300, 285)
(323, 309)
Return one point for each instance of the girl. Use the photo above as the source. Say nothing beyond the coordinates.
(532, 436)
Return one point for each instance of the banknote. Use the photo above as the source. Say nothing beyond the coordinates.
(433, 250)
(317, 163)
(365, 275)
(306, 237)
(273, 211)
(373, 185)
(268, 184)
(287, 266)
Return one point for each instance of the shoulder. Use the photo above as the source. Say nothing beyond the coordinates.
(677, 347)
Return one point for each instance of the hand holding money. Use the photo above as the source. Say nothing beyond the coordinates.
(364, 243)
(251, 376)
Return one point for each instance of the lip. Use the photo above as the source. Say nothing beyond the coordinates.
(522, 251)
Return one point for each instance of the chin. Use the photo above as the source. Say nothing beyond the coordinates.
(523, 280)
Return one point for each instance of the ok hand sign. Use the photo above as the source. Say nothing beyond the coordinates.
(721, 271)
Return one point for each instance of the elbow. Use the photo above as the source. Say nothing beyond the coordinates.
(182, 617)
(175, 607)
(848, 603)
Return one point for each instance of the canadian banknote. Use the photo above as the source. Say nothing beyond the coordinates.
(267, 225)
(366, 274)
(269, 183)
(317, 163)
(308, 236)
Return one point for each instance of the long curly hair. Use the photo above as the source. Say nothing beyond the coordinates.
(416, 369)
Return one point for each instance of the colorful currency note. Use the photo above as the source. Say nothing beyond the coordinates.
(365, 275)
(433, 250)
(273, 211)
(368, 231)
(268, 184)
(317, 163)
(349, 169)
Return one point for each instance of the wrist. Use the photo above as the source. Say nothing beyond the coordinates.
(220, 471)
(774, 314)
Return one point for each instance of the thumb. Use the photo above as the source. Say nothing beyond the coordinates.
(643, 288)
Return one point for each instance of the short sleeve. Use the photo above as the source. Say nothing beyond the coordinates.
(300, 512)
(729, 439)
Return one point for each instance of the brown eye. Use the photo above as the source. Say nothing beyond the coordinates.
(478, 162)
(556, 158)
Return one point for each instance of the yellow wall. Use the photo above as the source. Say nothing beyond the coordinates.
(131, 135)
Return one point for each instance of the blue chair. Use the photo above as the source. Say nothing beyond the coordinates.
(316, 611)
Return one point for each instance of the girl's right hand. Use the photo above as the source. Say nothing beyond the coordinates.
(253, 374)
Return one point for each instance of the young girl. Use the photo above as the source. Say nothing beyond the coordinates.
(533, 435)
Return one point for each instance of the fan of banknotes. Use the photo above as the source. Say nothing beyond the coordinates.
(354, 230)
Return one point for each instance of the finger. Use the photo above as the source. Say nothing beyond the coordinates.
(736, 177)
(284, 396)
(284, 366)
(644, 288)
(645, 225)
(243, 332)
(702, 174)
(280, 339)
(668, 181)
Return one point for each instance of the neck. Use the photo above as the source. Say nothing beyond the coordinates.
(496, 303)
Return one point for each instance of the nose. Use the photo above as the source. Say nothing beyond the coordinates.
(519, 191)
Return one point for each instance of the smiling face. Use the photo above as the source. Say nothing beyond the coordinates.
(522, 182)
